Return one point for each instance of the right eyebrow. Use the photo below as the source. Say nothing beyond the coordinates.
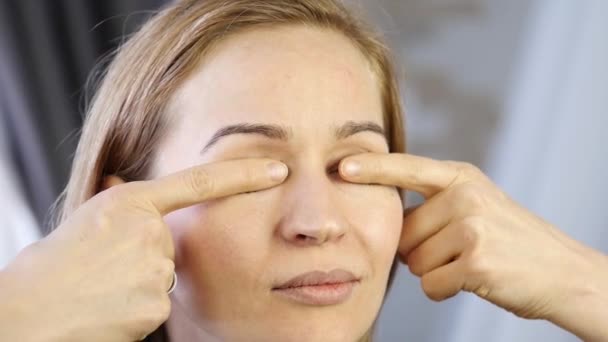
(270, 131)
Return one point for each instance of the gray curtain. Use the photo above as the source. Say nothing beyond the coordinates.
(47, 50)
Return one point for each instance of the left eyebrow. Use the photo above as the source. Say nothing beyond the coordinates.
(353, 127)
(278, 132)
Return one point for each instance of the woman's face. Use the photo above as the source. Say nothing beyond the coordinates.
(316, 88)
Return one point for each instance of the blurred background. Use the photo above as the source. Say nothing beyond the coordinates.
(516, 87)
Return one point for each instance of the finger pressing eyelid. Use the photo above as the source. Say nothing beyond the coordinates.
(423, 175)
(215, 180)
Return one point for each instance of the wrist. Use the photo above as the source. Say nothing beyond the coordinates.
(583, 306)
(13, 315)
(21, 316)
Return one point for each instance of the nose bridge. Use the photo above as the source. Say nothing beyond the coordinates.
(311, 197)
(311, 217)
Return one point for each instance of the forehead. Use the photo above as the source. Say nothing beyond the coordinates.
(298, 76)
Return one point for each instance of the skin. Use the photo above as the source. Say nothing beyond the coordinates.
(71, 287)
(313, 221)
(469, 236)
(220, 220)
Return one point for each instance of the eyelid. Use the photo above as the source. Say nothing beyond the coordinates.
(334, 165)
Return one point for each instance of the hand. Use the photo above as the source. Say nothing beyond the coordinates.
(469, 236)
(103, 275)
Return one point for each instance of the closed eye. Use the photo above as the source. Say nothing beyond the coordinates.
(333, 171)
(333, 168)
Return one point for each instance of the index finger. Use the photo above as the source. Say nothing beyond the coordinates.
(423, 175)
(204, 182)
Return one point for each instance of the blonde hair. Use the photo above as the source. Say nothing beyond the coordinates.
(126, 120)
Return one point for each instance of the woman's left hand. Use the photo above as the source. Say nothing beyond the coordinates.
(468, 235)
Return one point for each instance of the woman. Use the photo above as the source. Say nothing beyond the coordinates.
(256, 149)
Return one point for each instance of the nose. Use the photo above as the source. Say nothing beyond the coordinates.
(313, 215)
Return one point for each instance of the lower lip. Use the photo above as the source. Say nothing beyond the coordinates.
(329, 294)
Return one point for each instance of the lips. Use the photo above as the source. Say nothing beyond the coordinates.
(317, 278)
(319, 288)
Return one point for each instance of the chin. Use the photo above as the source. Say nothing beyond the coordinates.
(338, 329)
(332, 334)
(321, 328)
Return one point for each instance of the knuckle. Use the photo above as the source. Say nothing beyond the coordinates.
(166, 269)
(116, 199)
(160, 276)
(156, 231)
(468, 170)
(417, 175)
(414, 264)
(471, 195)
(154, 314)
(472, 169)
(103, 220)
(169, 248)
(164, 309)
(114, 196)
(199, 181)
(477, 267)
(431, 289)
(413, 220)
(171, 251)
(473, 230)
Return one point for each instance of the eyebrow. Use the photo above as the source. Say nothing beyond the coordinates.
(282, 133)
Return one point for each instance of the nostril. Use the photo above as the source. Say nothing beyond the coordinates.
(301, 237)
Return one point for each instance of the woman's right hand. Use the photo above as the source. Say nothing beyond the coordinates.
(103, 274)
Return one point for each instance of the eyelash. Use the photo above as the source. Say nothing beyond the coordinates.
(333, 171)
(334, 168)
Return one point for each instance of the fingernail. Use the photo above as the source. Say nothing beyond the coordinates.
(352, 168)
(277, 171)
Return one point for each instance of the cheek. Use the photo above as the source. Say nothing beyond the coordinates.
(377, 214)
(219, 244)
(219, 237)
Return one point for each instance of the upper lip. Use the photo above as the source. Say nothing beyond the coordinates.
(313, 278)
